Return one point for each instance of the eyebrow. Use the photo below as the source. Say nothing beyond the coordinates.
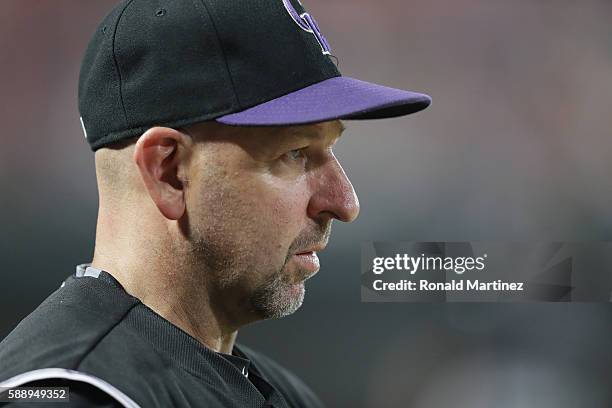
(301, 132)
(297, 134)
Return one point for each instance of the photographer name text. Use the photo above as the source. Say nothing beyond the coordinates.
(423, 263)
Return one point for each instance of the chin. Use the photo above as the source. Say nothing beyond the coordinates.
(278, 299)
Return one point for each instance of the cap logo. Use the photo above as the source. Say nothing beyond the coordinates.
(307, 23)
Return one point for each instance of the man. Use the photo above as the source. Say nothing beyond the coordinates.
(212, 124)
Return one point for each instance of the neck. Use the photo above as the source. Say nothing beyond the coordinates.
(177, 292)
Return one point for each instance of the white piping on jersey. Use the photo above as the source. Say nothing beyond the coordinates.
(83, 127)
(50, 373)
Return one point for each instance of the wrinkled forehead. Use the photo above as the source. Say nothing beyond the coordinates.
(266, 137)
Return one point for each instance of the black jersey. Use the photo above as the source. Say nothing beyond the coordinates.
(111, 350)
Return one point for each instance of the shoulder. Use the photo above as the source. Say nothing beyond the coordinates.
(70, 389)
(51, 344)
(64, 328)
(290, 385)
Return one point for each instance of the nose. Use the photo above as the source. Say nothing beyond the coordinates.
(333, 194)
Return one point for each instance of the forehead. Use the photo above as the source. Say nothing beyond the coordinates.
(267, 137)
(322, 130)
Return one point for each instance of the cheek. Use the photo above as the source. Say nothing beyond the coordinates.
(260, 217)
(278, 211)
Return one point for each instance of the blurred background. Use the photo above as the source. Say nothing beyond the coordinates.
(516, 146)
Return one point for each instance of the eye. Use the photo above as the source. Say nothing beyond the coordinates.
(295, 154)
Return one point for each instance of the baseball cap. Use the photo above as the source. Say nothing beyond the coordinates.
(245, 63)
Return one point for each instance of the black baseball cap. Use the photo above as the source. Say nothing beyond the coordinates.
(245, 63)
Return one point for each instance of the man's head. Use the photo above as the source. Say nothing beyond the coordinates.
(245, 209)
(232, 185)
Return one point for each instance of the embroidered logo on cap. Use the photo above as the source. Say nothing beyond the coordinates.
(307, 23)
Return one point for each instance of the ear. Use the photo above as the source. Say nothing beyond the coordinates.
(160, 156)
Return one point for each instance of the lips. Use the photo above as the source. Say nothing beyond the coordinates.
(315, 249)
(308, 261)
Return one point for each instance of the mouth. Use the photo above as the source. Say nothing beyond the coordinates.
(308, 261)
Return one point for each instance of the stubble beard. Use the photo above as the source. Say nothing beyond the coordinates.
(275, 297)
(272, 298)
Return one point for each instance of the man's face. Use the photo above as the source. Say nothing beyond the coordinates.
(260, 204)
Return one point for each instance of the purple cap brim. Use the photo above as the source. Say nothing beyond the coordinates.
(334, 98)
